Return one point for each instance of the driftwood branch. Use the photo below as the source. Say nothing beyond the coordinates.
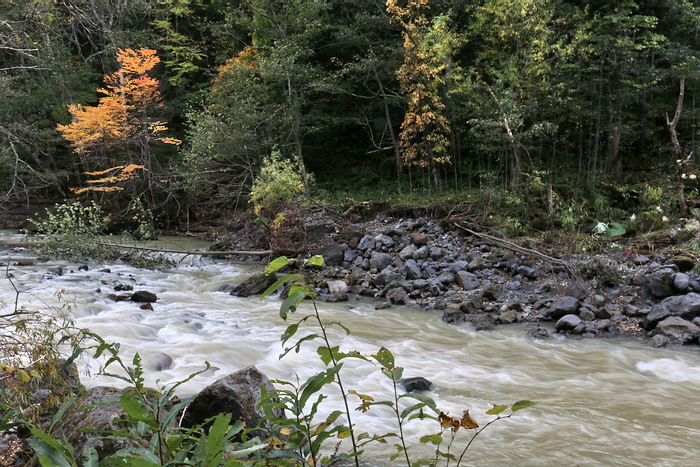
(159, 250)
(521, 249)
(186, 252)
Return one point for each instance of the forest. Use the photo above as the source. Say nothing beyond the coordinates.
(177, 102)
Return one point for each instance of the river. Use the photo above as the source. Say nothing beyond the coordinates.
(601, 401)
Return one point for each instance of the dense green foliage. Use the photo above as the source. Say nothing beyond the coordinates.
(426, 94)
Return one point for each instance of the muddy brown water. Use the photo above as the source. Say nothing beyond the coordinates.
(601, 401)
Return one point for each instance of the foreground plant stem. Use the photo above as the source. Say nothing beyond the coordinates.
(340, 383)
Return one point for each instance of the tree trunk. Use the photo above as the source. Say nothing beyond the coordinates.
(681, 161)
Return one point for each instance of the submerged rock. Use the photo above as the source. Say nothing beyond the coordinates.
(416, 384)
(144, 296)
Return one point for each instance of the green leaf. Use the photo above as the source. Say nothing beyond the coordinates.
(520, 405)
(615, 230)
(90, 458)
(289, 332)
(385, 358)
(316, 260)
(496, 409)
(316, 382)
(290, 303)
(434, 439)
(428, 401)
(277, 284)
(326, 354)
(277, 264)
(50, 451)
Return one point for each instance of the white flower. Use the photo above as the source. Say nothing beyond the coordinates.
(664, 218)
(692, 176)
(659, 209)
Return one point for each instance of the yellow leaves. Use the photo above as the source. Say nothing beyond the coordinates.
(454, 423)
(137, 62)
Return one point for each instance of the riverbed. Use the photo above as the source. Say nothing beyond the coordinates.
(601, 401)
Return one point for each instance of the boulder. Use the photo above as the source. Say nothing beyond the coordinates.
(237, 394)
(681, 282)
(538, 333)
(660, 282)
(413, 270)
(527, 271)
(380, 260)
(685, 306)
(254, 285)
(382, 306)
(656, 314)
(97, 410)
(56, 270)
(421, 253)
(683, 263)
(492, 292)
(416, 384)
(567, 323)
(483, 322)
(397, 296)
(678, 330)
(407, 252)
(453, 315)
(658, 341)
(332, 255)
(144, 296)
(337, 287)
(476, 264)
(508, 317)
(563, 306)
(157, 361)
(366, 243)
(226, 288)
(467, 280)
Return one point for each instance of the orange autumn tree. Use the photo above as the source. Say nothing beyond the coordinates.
(121, 126)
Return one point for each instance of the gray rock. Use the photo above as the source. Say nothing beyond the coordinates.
(473, 305)
(656, 314)
(122, 286)
(491, 292)
(538, 333)
(563, 306)
(397, 296)
(337, 287)
(144, 296)
(382, 306)
(476, 264)
(483, 322)
(157, 361)
(332, 255)
(681, 282)
(413, 270)
(380, 260)
(567, 323)
(658, 340)
(446, 278)
(56, 270)
(416, 384)
(527, 271)
(685, 306)
(467, 280)
(508, 317)
(453, 315)
(587, 315)
(421, 253)
(660, 282)
(333, 298)
(459, 265)
(349, 256)
(366, 243)
(513, 285)
(407, 252)
(678, 330)
(254, 285)
(435, 252)
(237, 394)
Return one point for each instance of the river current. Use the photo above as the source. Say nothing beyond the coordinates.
(601, 401)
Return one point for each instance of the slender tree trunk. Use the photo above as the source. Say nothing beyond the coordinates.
(681, 161)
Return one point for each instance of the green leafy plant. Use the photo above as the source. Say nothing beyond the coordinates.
(305, 434)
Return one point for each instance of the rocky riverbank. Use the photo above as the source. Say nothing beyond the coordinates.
(486, 280)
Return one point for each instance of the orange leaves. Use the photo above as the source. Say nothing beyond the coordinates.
(454, 423)
(120, 173)
(120, 117)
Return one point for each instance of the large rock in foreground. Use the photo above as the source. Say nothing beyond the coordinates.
(84, 423)
(237, 394)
